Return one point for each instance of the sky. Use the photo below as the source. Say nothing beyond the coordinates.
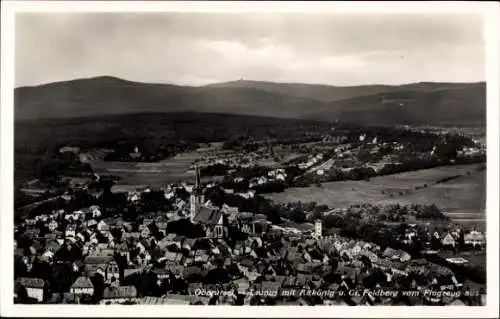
(202, 48)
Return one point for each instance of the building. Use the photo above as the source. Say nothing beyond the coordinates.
(82, 286)
(53, 225)
(246, 222)
(214, 220)
(318, 228)
(448, 241)
(103, 265)
(34, 287)
(475, 239)
(196, 198)
(118, 294)
(69, 149)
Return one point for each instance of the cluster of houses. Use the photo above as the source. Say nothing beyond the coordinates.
(449, 239)
(247, 271)
(234, 158)
(230, 262)
(471, 151)
(474, 239)
(345, 159)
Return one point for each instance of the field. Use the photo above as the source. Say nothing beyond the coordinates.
(463, 198)
(158, 174)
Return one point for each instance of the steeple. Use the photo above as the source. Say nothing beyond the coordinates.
(196, 177)
(196, 194)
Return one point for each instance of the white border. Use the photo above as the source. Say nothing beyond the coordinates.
(491, 14)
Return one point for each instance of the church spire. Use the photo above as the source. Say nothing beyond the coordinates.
(196, 177)
(196, 197)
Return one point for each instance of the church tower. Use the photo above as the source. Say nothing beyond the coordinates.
(318, 228)
(196, 198)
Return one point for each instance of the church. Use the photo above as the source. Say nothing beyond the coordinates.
(214, 221)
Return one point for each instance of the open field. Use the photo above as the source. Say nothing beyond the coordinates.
(463, 198)
(156, 174)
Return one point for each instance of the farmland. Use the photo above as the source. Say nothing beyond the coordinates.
(156, 174)
(462, 199)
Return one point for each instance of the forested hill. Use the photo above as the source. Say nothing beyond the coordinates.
(445, 104)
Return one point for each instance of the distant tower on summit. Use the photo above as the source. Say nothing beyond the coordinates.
(196, 198)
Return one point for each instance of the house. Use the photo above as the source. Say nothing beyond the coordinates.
(417, 266)
(448, 241)
(175, 299)
(167, 241)
(174, 268)
(78, 266)
(69, 149)
(188, 243)
(305, 268)
(95, 211)
(475, 239)
(390, 253)
(34, 287)
(82, 286)
(247, 266)
(120, 294)
(370, 255)
(47, 256)
(145, 232)
(201, 257)
(173, 257)
(32, 233)
(404, 256)
(91, 223)
(103, 265)
(161, 273)
(457, 260)
(131, 235)
(29, 221)
(162, 226)
(242, 285)
(103, 227)
(272, 288)
(134, 197)
(180, 204)
(394, 254)
(52, 225)
(457, 302)
(70, 231)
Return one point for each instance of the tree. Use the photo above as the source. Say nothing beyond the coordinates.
(20, 269)
(98, 283)
(186, 228)
(61, 278)
(298, 216)
(274, 217)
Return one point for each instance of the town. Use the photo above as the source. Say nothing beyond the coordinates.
(214, 237)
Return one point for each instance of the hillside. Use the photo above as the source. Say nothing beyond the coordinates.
(324, 93)
(108, 95)
(34, 138)
(446, 104)
(453, 105)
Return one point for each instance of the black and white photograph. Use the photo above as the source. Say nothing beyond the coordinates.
(199, 157)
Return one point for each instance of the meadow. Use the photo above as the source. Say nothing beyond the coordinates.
(463, 199)
(157, 174)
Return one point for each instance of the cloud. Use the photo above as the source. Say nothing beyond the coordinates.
(198, 48)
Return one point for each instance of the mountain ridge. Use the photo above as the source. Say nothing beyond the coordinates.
(425, 102)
